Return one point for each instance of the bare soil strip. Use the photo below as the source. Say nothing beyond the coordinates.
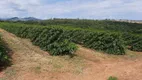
(31, 63)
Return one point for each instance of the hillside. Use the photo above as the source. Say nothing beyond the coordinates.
(31, 63)
(62, 49)
(111, 25)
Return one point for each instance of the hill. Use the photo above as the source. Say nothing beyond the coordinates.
(20, 19)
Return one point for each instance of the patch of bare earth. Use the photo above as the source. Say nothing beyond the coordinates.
(31, 63)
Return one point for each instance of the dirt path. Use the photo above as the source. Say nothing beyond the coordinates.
(31, 63)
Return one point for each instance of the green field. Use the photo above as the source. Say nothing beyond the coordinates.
(61, 36)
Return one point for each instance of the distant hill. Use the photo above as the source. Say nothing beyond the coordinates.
(36, 19)
(31, 18)
(130, 21)
(20, 19)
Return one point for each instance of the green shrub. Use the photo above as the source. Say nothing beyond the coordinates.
(102, 41)
(134, 41)
(4, 58)
(62, 48)
(137, 46)
(112, 78)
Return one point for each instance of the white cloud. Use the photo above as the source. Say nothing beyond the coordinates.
(72, 8)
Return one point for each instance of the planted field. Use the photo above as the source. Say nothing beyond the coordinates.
(60, 36)
(130, 32)
(62, 40)
(134, 41)
(71, 40)
(93, 24)
(30, 62)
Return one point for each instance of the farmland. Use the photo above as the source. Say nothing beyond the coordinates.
(81, 40)
(108, 36)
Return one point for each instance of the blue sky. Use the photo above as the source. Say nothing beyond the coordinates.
(88, 9)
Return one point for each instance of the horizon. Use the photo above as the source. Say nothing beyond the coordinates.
(69, 18)
(72, 9)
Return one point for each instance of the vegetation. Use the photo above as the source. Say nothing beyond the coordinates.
(112, 78)
(4, 59)
(93, 24)
(131, 32)
(58, 36)
(127, 30)
(60, 40)
(46, 38)
(134, 41)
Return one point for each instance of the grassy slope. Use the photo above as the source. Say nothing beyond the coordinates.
(30, 63)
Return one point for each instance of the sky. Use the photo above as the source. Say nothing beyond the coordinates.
(83, 9)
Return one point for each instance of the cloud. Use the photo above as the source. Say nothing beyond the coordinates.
(100, 9)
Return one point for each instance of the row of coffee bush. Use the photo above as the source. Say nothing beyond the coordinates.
(4, 58)
(133, 41)
(61, 40)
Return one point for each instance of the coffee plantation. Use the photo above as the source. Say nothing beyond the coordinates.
(60, 40)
